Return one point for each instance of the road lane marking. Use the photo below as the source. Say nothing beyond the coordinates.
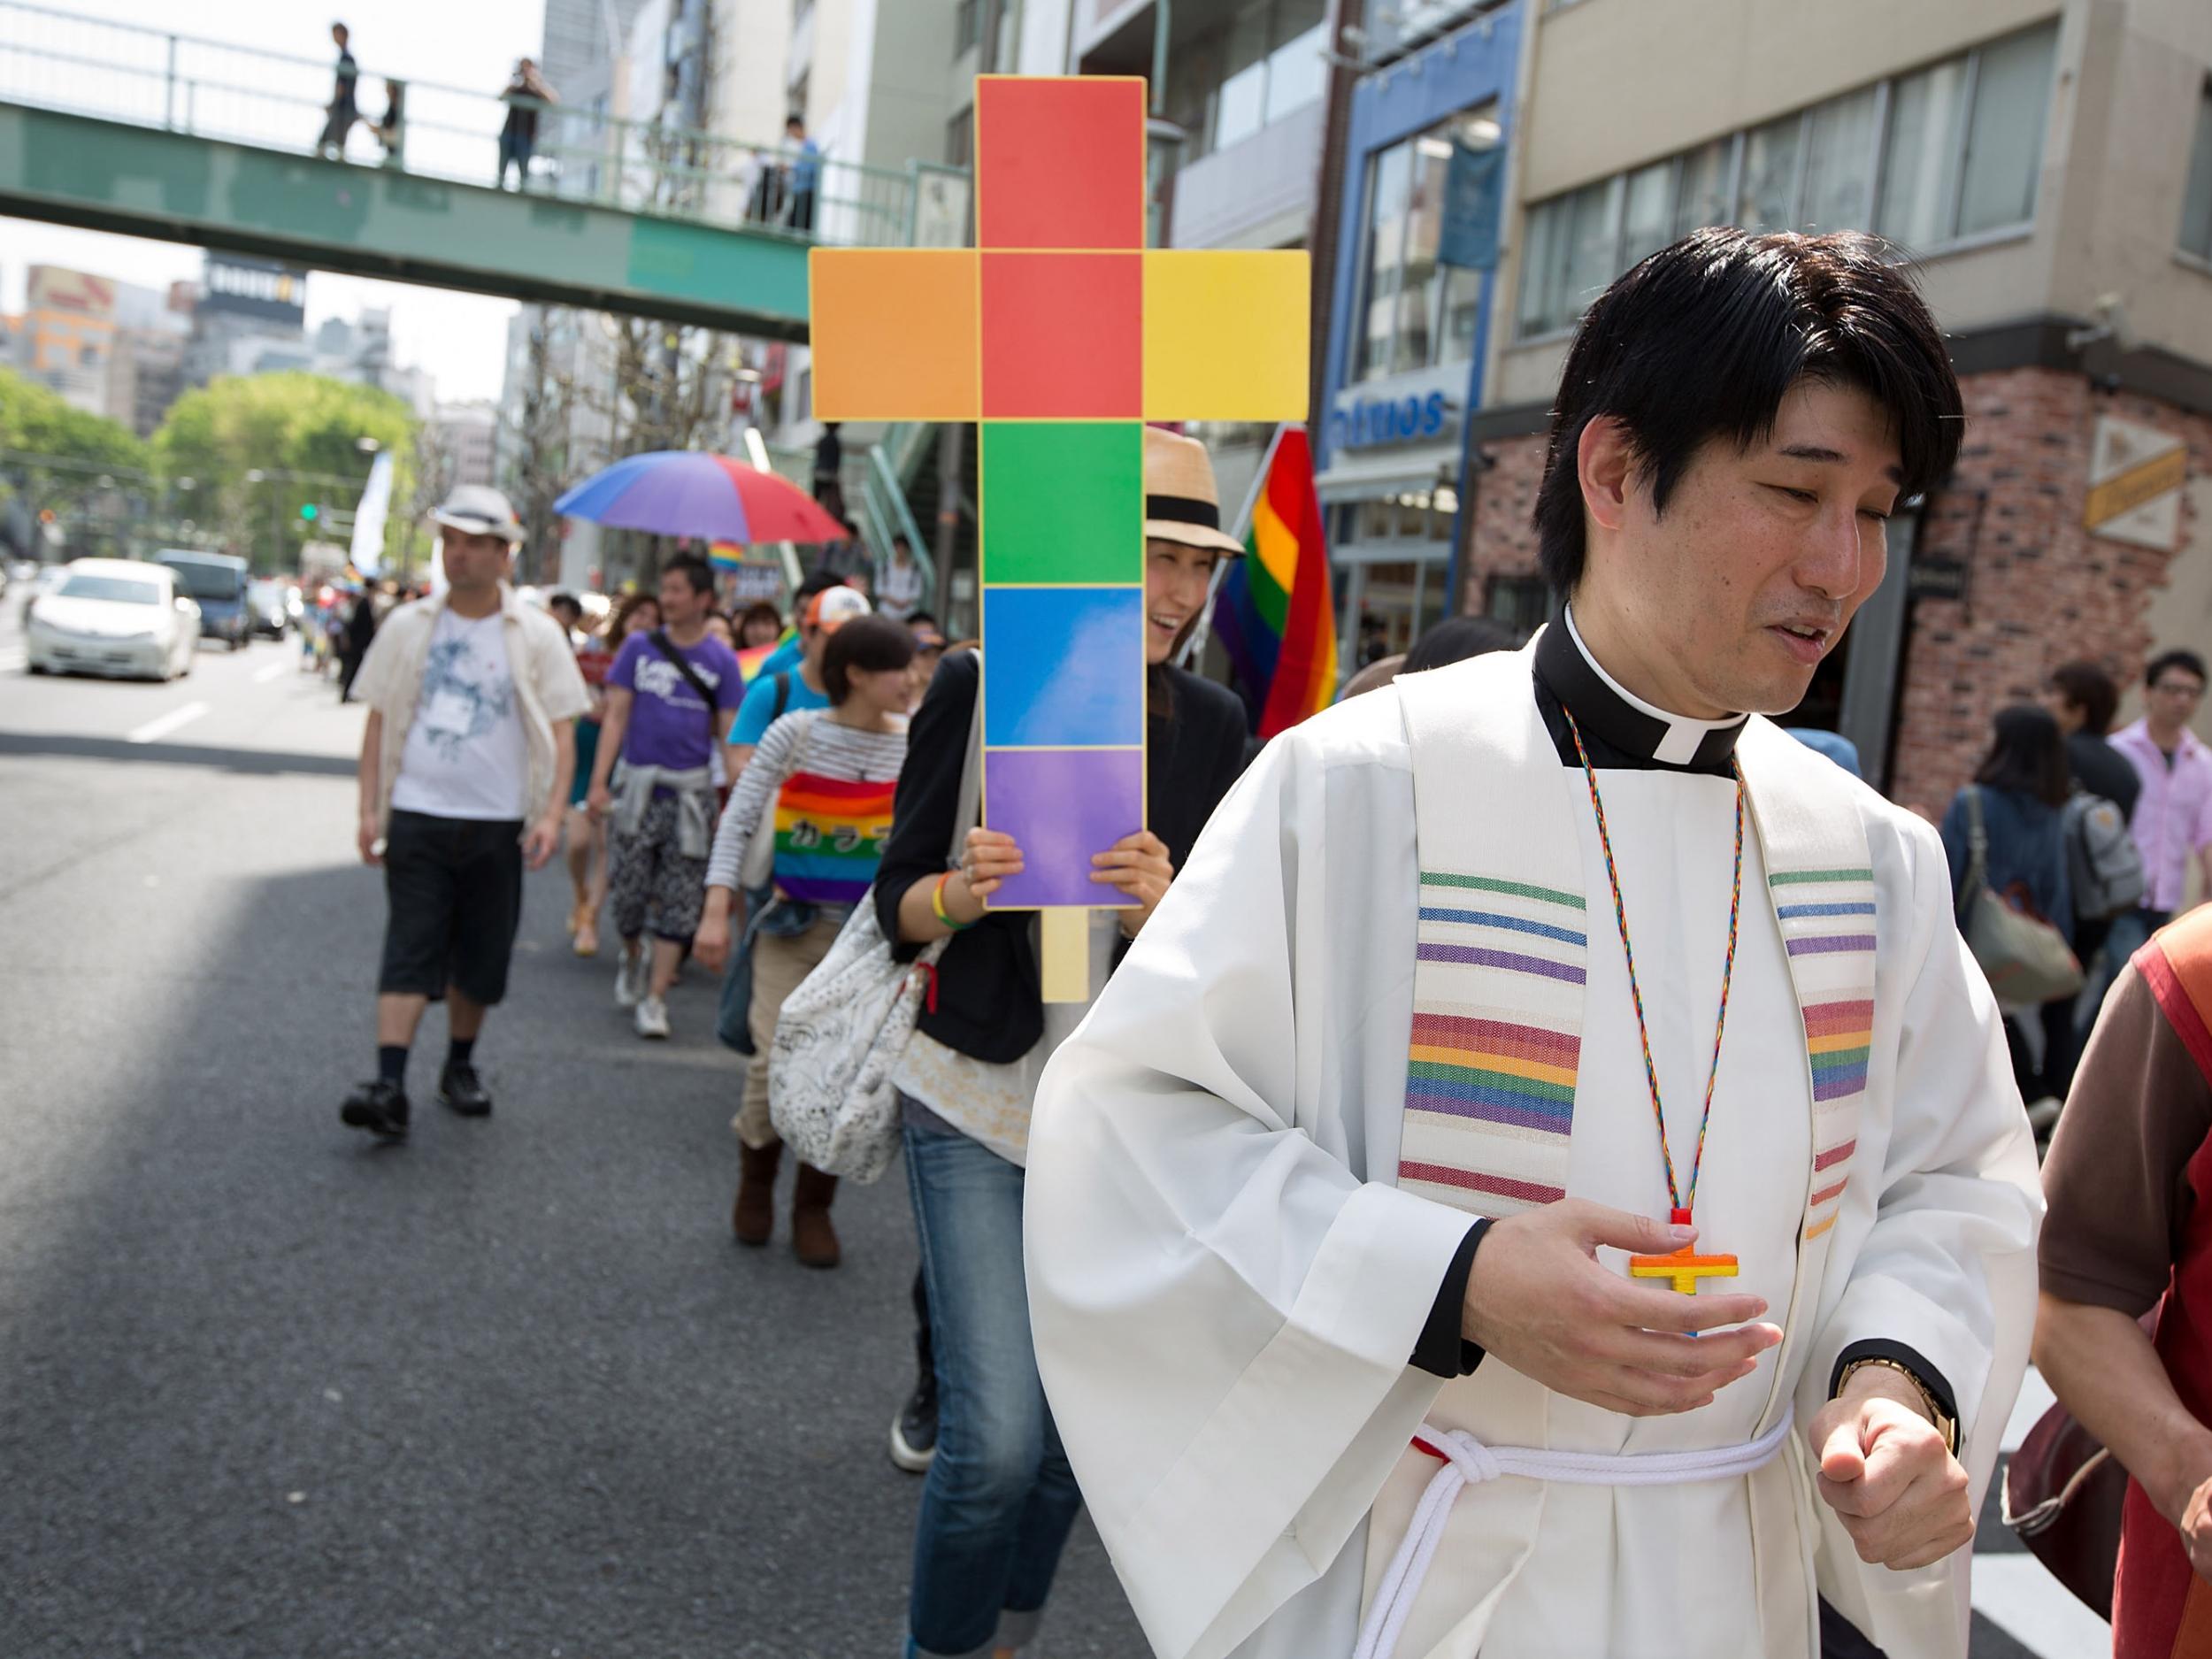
(154, 731)
(264, 676)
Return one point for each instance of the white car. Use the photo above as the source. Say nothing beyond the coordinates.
(113, 617)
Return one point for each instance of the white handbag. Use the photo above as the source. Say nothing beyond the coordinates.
(841, 1033)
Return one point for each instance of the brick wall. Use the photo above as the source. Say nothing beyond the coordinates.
(1504, 540)
(2041, 590)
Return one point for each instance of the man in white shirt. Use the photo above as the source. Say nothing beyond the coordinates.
(466, 763)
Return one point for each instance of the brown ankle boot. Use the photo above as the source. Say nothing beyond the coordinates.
(812, 1238)
(753, 1218)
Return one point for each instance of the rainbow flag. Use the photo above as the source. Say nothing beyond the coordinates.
(1273, 614)
(830, 836)
(750, 658)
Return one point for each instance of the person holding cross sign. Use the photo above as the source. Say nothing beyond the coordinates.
(1060, 334)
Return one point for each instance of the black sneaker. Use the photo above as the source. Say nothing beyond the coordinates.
(461, 1091)
(914, 1430)
(379, 1107)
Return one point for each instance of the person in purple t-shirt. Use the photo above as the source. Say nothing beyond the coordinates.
(671, 697)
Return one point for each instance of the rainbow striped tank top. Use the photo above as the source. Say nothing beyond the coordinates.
(830, 836)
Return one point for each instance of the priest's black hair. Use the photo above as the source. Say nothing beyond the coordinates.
(1704, 339)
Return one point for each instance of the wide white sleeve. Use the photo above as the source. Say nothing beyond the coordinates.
(1942, 1251)
(1224, 1311)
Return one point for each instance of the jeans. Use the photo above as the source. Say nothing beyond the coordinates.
(2132, 930)
(515, 149)
(1000, 1498)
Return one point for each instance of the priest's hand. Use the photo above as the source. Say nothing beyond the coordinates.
(1886, 1469)
(1541, 1301)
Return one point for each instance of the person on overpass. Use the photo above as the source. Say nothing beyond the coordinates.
(341, 112)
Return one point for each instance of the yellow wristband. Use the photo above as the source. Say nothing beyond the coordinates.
(937, 904)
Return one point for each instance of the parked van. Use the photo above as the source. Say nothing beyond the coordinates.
(218, 582)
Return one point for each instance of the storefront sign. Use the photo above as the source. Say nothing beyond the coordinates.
(256, 287)
(1361, 423)
(2136, 474)
(1936, 578)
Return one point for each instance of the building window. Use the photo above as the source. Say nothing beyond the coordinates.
(960, 138)
(1416, 313)
(2004, 134)
(1957, 155)
(1264, 63)
(967, 25)
(2196, 208)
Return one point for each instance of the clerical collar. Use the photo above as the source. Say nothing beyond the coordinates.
(1627, 731)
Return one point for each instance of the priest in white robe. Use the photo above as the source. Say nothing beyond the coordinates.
(1478, 987)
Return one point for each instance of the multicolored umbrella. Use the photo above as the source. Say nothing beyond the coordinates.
(690, 493)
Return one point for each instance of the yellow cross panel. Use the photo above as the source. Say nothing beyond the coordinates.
(900, 333)
(1682, 1268)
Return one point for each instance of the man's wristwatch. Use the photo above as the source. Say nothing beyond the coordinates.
(1945, 1427)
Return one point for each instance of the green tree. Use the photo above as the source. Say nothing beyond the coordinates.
(259, 447)
(93, 475)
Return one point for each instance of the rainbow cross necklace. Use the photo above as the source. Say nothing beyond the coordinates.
(1682, 1268)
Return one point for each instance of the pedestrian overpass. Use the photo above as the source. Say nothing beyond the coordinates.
(110, 127)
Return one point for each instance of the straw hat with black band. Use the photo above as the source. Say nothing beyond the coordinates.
(1181, 501)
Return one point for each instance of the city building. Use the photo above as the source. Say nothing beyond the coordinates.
(107, 348)
(463, 434)
(2048, 165)
(1238, 136)
(250, 316)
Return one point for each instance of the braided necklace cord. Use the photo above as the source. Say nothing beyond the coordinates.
(1684, 1202)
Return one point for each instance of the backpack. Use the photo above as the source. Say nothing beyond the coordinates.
(2102, 864)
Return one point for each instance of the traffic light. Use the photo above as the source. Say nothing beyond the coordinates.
(308, 510)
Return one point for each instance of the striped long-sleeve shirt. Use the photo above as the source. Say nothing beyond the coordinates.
(806, 743)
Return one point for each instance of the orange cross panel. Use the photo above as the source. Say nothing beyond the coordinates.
(895, 333)
(1062, 337)
(1060, 162)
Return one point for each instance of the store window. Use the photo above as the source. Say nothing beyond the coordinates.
(2196, 209)
(1523, 604)
(1416, 313)
(1958, 156)
(1393, 554)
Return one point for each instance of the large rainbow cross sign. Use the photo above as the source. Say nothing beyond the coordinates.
(1061, 333)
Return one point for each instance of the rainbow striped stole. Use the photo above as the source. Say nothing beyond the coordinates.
(1502, 942)
(830, 835)
(1820, 883)
(1502, 946)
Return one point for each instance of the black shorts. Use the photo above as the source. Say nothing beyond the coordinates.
(454, 887)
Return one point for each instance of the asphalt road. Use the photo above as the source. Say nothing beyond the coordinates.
(269, 1391)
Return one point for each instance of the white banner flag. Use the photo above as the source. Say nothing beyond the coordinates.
(368, 518)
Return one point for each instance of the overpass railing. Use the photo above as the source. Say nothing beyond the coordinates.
(578, 152)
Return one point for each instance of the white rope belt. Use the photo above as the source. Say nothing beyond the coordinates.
(1468, 1463)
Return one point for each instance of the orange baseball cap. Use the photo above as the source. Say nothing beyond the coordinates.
(834, 607)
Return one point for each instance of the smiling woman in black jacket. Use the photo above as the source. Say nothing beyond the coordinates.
(1000, 1497)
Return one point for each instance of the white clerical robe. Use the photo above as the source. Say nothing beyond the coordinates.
(1226, 1285)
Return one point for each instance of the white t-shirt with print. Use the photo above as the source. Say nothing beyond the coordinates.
(466, 755)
